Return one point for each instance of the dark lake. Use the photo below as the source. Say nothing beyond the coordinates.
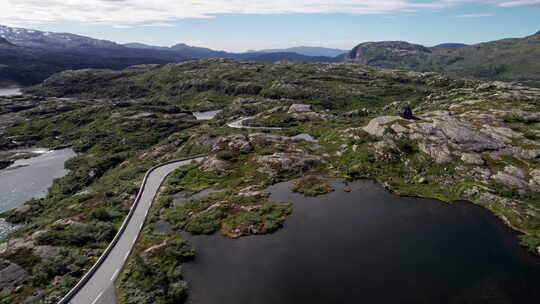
(368, 246)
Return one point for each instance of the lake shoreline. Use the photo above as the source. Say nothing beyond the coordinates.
(306, 209)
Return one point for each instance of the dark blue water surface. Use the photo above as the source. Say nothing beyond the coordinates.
(368, 246)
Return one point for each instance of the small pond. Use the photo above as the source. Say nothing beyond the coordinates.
(367, 246)
(208, 115)
(10, 91)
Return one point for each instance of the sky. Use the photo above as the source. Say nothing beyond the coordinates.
(240, 25)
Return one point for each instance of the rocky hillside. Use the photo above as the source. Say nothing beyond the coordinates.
(507, 60)
(50, 40)
(41, 54)
(420, 134)
(390, 54)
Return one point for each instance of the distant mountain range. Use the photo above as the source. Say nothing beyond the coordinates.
(49, 40)
(449, 46)
(198, 51)
(306, 50)
(30, 56)
(186, 50)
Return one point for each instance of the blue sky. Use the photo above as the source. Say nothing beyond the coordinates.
(238, 25)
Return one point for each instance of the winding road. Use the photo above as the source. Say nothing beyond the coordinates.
(239, 124)
(97, 287)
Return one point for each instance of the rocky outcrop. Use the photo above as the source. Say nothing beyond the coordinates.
(304, 112)
(472, 159)
(294, 163)
(378, 125)
(213, 164)
(235, 143)
(11, 276)
(250, 106)
(514, 177)
(263, 139)
(445, 137)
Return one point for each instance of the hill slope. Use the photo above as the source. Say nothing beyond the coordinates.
(31, 56)
(50, 40)
(516, 59)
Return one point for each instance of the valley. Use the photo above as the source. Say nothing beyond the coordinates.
(463, 140)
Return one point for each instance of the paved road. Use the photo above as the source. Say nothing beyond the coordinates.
(239, 124)
(99, 289)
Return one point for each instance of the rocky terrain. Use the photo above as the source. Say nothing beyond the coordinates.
(420, 134)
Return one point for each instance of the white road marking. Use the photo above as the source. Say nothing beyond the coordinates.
(99, 296)
(115, 273)
(137, 212)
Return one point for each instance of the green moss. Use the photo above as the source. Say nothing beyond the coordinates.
(23, 257)
(312, 186)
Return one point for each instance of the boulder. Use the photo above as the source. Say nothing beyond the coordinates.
(512, 177)
(440, 153)
(472, 159)
(378, 125)
(303, 112)
(299, 108)
(213, 164)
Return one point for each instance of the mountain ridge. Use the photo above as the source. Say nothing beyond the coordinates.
(32, 56)
(51, 40)
(305, 50)
(510, 59)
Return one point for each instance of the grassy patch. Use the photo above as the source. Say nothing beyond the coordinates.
(312, 186)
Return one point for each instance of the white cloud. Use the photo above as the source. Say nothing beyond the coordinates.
(520, 3)
(158, 24)
(159, 12)
(162, 12)
(474, 15)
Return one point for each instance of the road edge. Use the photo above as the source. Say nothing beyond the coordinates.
(105, 254)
